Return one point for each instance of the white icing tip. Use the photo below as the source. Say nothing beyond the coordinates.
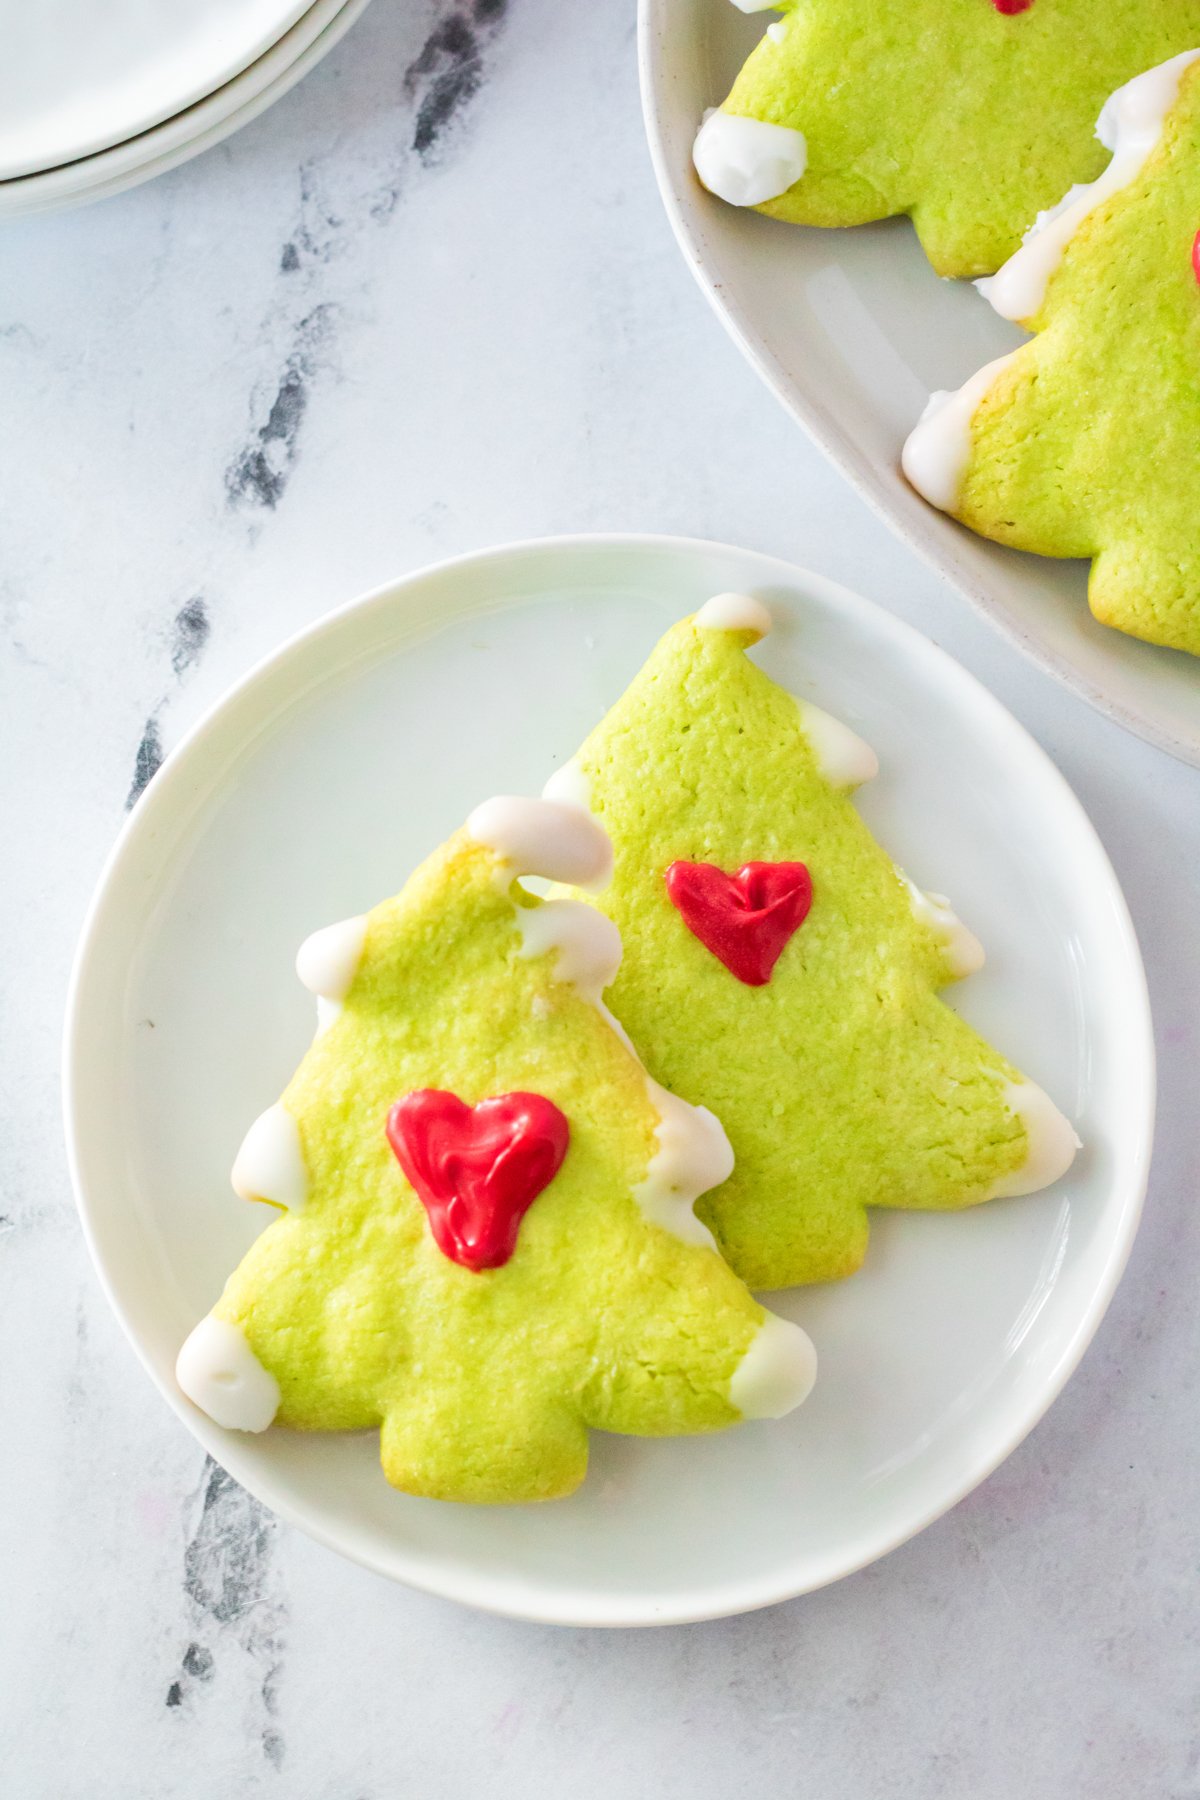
(777, 1373)
(964, 954)
(777, 32)
(552, 838)
(938, 449)
(753, 6)
(219, 1373)
(734, 612)
(1131, 126)
(693, 1155)
(270, 1164)
(328, 960)
(1053, 1141)
(747, 161)
(570, 786)
(586, 944)
(843, 758)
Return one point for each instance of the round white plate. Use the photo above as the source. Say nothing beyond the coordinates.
(198, 128)
(852, 330)
(312, 791)
(76, 76)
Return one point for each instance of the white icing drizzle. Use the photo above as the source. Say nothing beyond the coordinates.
(776, 1373)
(777, 32)
(328, 1011)
(842, 756)
(1053, 1141)
(270, 1164)
(327, 961)
(587, 945)
(219, 1373)
(693, 1156)
(552, 838)
(734, 612)
(570, 785)
(963, 950)
(1131, 126)
(938, 449)
(747, 161)
(753, 6)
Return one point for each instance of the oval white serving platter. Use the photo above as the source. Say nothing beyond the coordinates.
(199, 128)
(312, 790)
(77, 77)
(852, 330)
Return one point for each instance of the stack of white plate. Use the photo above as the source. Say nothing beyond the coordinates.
(96, 95)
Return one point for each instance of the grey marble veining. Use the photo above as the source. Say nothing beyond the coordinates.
(427, 303)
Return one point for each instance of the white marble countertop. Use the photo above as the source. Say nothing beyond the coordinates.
(428, 303)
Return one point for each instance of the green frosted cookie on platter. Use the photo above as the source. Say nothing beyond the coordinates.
(780, 967)
(486, 1242)
(1083, 442)
(972, 116)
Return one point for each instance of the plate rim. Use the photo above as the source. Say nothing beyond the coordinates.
(715, 1600)
(935, 545)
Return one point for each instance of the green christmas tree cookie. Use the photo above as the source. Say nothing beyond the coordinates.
(970, 115)
(1083, 441)
(487, 1242)
(781, 967)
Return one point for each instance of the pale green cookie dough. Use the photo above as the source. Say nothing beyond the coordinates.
(968, 119)
(844, 1083)
(1084, 442)
(346, 1315)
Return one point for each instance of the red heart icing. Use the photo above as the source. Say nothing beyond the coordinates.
(744, 919)
(1196, 256)
(477, 1169)
(1011, 7)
